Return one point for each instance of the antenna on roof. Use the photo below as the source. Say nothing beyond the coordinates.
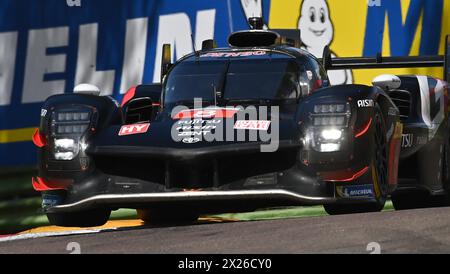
(193, 46)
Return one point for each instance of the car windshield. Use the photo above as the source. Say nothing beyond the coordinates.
(234, 79)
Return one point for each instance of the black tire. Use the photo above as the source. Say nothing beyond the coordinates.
(167, 216)
(91, 218)
(411, 200)
(379, 177)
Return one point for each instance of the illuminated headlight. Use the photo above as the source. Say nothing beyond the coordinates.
(332, 134)
(330, 147)
(329, 123)
(65, 149)
(68, 127)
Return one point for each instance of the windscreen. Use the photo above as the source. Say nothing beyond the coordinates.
(237, 79)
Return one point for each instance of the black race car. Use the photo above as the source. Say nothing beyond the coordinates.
(236, 129)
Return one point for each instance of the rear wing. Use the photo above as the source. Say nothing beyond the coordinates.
(380, 62)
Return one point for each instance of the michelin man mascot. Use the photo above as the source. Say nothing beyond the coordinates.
(317, 32)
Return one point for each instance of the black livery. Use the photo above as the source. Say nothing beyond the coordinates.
(302, 141)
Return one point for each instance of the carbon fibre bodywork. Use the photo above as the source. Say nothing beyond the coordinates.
(153, 163)
(134, 155)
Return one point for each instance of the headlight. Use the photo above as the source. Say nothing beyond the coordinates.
(72, 116)
(68, 128)
(330, 147)
(329, 122)
(330, 108)
(331, 134)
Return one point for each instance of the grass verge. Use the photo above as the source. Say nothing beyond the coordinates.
(22, 214)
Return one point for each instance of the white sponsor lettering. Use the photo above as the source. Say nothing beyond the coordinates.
(134, 57)
(134, 129)
(39, 64)
(87, 61)
(252, 125)
(8, 44)
(407, 140)
(365, 103)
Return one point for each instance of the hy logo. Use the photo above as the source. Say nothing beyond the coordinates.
(73, 3)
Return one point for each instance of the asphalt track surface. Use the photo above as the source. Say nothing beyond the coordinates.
(412, 231)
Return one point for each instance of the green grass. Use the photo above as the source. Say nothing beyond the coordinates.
(292, 212)
(19, 214)
(16, 185)
(22, 214)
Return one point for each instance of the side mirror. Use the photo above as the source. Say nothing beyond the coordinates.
(387, 82)
(209, 45)
(166, 60)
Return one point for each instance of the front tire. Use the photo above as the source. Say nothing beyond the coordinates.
(379, 174)
(90, 218)
(433, 169)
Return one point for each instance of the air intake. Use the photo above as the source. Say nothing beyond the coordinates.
(253, 38)
(402, 99)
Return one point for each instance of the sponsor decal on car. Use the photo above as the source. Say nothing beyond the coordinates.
(421, 140)
(407, 140)
(50, 200)
(365, 103)
(196, 127)
(43, 112)
(134, 129)
(233, 54)
(252, 125)
(206, 113)
(355, 191)
(191, 140)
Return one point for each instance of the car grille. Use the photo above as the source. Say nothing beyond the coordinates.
(402, 99)
(199, 173)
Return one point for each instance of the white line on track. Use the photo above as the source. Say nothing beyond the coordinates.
(50, 234)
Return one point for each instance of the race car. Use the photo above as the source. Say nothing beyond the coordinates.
(251, 126)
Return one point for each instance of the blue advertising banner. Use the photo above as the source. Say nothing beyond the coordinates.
(49, 46)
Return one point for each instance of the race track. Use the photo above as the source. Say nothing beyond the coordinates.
(413, 231)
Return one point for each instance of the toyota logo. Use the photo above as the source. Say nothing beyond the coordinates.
(191, 140)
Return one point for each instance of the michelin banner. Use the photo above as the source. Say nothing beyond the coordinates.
(49, 46)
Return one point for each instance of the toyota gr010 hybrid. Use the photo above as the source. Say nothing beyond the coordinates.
(236, 129)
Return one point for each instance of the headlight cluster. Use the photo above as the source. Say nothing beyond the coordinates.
(329, 122)
(68, 127)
